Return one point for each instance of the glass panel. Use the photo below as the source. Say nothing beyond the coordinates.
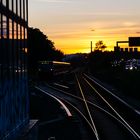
(14, 4)
(21, 6)
(26, 49)
(18, 31)
(13, 76)
(18, 3)
(10, 29)
(15, 30)
(26, 10)
(0, 24)
(0, 59)
(25, 33)
(23, 9)
(22, 32)
(10, 5)
(4, 2)
(4, 26)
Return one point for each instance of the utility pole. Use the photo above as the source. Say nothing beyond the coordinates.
(91, 46)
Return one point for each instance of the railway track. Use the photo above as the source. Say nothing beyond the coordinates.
(126, 113)
(90, 135)
(105, 121)
(96, 96)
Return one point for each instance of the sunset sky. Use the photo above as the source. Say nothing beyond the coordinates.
(72, 24)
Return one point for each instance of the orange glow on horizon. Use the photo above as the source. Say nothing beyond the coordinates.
(79, 42)
(72, 25)
(71, 46)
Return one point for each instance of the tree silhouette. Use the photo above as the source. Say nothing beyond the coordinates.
(100, 46)
(40, 48)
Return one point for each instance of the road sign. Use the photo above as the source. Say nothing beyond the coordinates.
(134, 41)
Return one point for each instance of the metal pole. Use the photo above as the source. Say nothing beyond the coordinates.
(91, 46)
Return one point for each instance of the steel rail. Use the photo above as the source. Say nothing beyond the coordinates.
(121, 100)
(60, 102)
(87, 108)
(81, 115)
(84, 117)
(133, 131)
(96, 106)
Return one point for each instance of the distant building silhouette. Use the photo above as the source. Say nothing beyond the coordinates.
(126, 49)
(131, 50)
(121, 49)
(135, 49)
(14, 105)
(116, 49)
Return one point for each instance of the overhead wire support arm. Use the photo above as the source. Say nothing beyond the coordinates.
(121, 42)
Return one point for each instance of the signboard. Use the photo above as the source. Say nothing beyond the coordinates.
(134, 41)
